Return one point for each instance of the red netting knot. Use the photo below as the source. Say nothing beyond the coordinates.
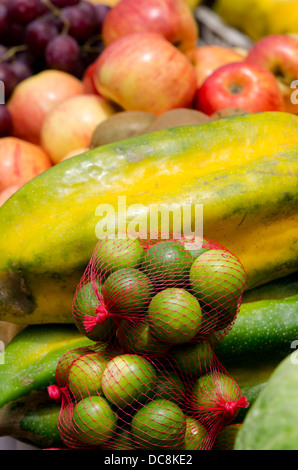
(91, 321)
(54, 392)
(230, 407)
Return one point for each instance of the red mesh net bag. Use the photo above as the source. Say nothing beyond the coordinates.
(154, 310)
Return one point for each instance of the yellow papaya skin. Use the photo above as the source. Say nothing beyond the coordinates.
(243, 169)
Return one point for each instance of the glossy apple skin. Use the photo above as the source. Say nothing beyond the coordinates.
(20, 161)
(35, 97)
(257, 90)
(206, 59)
(173, 19)
(88, 80)
(70, 124)
(279, 54)
(145, 72)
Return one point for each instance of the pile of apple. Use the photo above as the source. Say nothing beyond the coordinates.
(151, 60)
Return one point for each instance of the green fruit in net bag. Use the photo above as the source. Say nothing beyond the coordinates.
(170, 387)
(227, 437)
(217, 279)
(159, 424)
(174, 316)
(197, 252)
(192, 359)
(196, 436)
(136, 337)
(128, 379)
(167, 264)
(115, 253)
(94, 422)
(123, 439)
(127, 292)
(216, 398)
(85, 375)
(65, 363)
(90, 314)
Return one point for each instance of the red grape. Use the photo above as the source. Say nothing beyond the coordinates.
(62, 53)
(64, 3)
(81, 22)
(9, 79)
(21, 70)
(3, 19)
(23, 11)
(5, 121)
(15, 35)
(101, 11)
(38, 35)
(3, 50)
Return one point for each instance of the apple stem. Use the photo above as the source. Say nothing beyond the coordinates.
(235, 89)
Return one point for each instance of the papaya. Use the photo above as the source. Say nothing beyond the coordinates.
(242, 170)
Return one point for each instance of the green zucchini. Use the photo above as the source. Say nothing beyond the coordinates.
(30, 359)
(32, 419)
(271, 422)
(261, 328)
(277, 289)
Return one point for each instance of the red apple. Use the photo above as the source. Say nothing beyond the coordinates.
(7, 193)
(279, 54)
(74, 153)
(240, 85)
(173, 19)
(88, 80)
(206, 59)
(70, 124)
(35, 96)
(20, 161)
(145, 72)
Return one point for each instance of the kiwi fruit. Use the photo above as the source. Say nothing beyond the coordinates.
(178, 117)
(121, 125)
(223, 113)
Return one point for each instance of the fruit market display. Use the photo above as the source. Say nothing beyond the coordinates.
(116, 115)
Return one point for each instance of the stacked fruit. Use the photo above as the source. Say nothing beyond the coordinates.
(151, 380)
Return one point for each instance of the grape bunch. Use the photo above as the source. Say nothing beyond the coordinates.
(36, 35)
(48, 34)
